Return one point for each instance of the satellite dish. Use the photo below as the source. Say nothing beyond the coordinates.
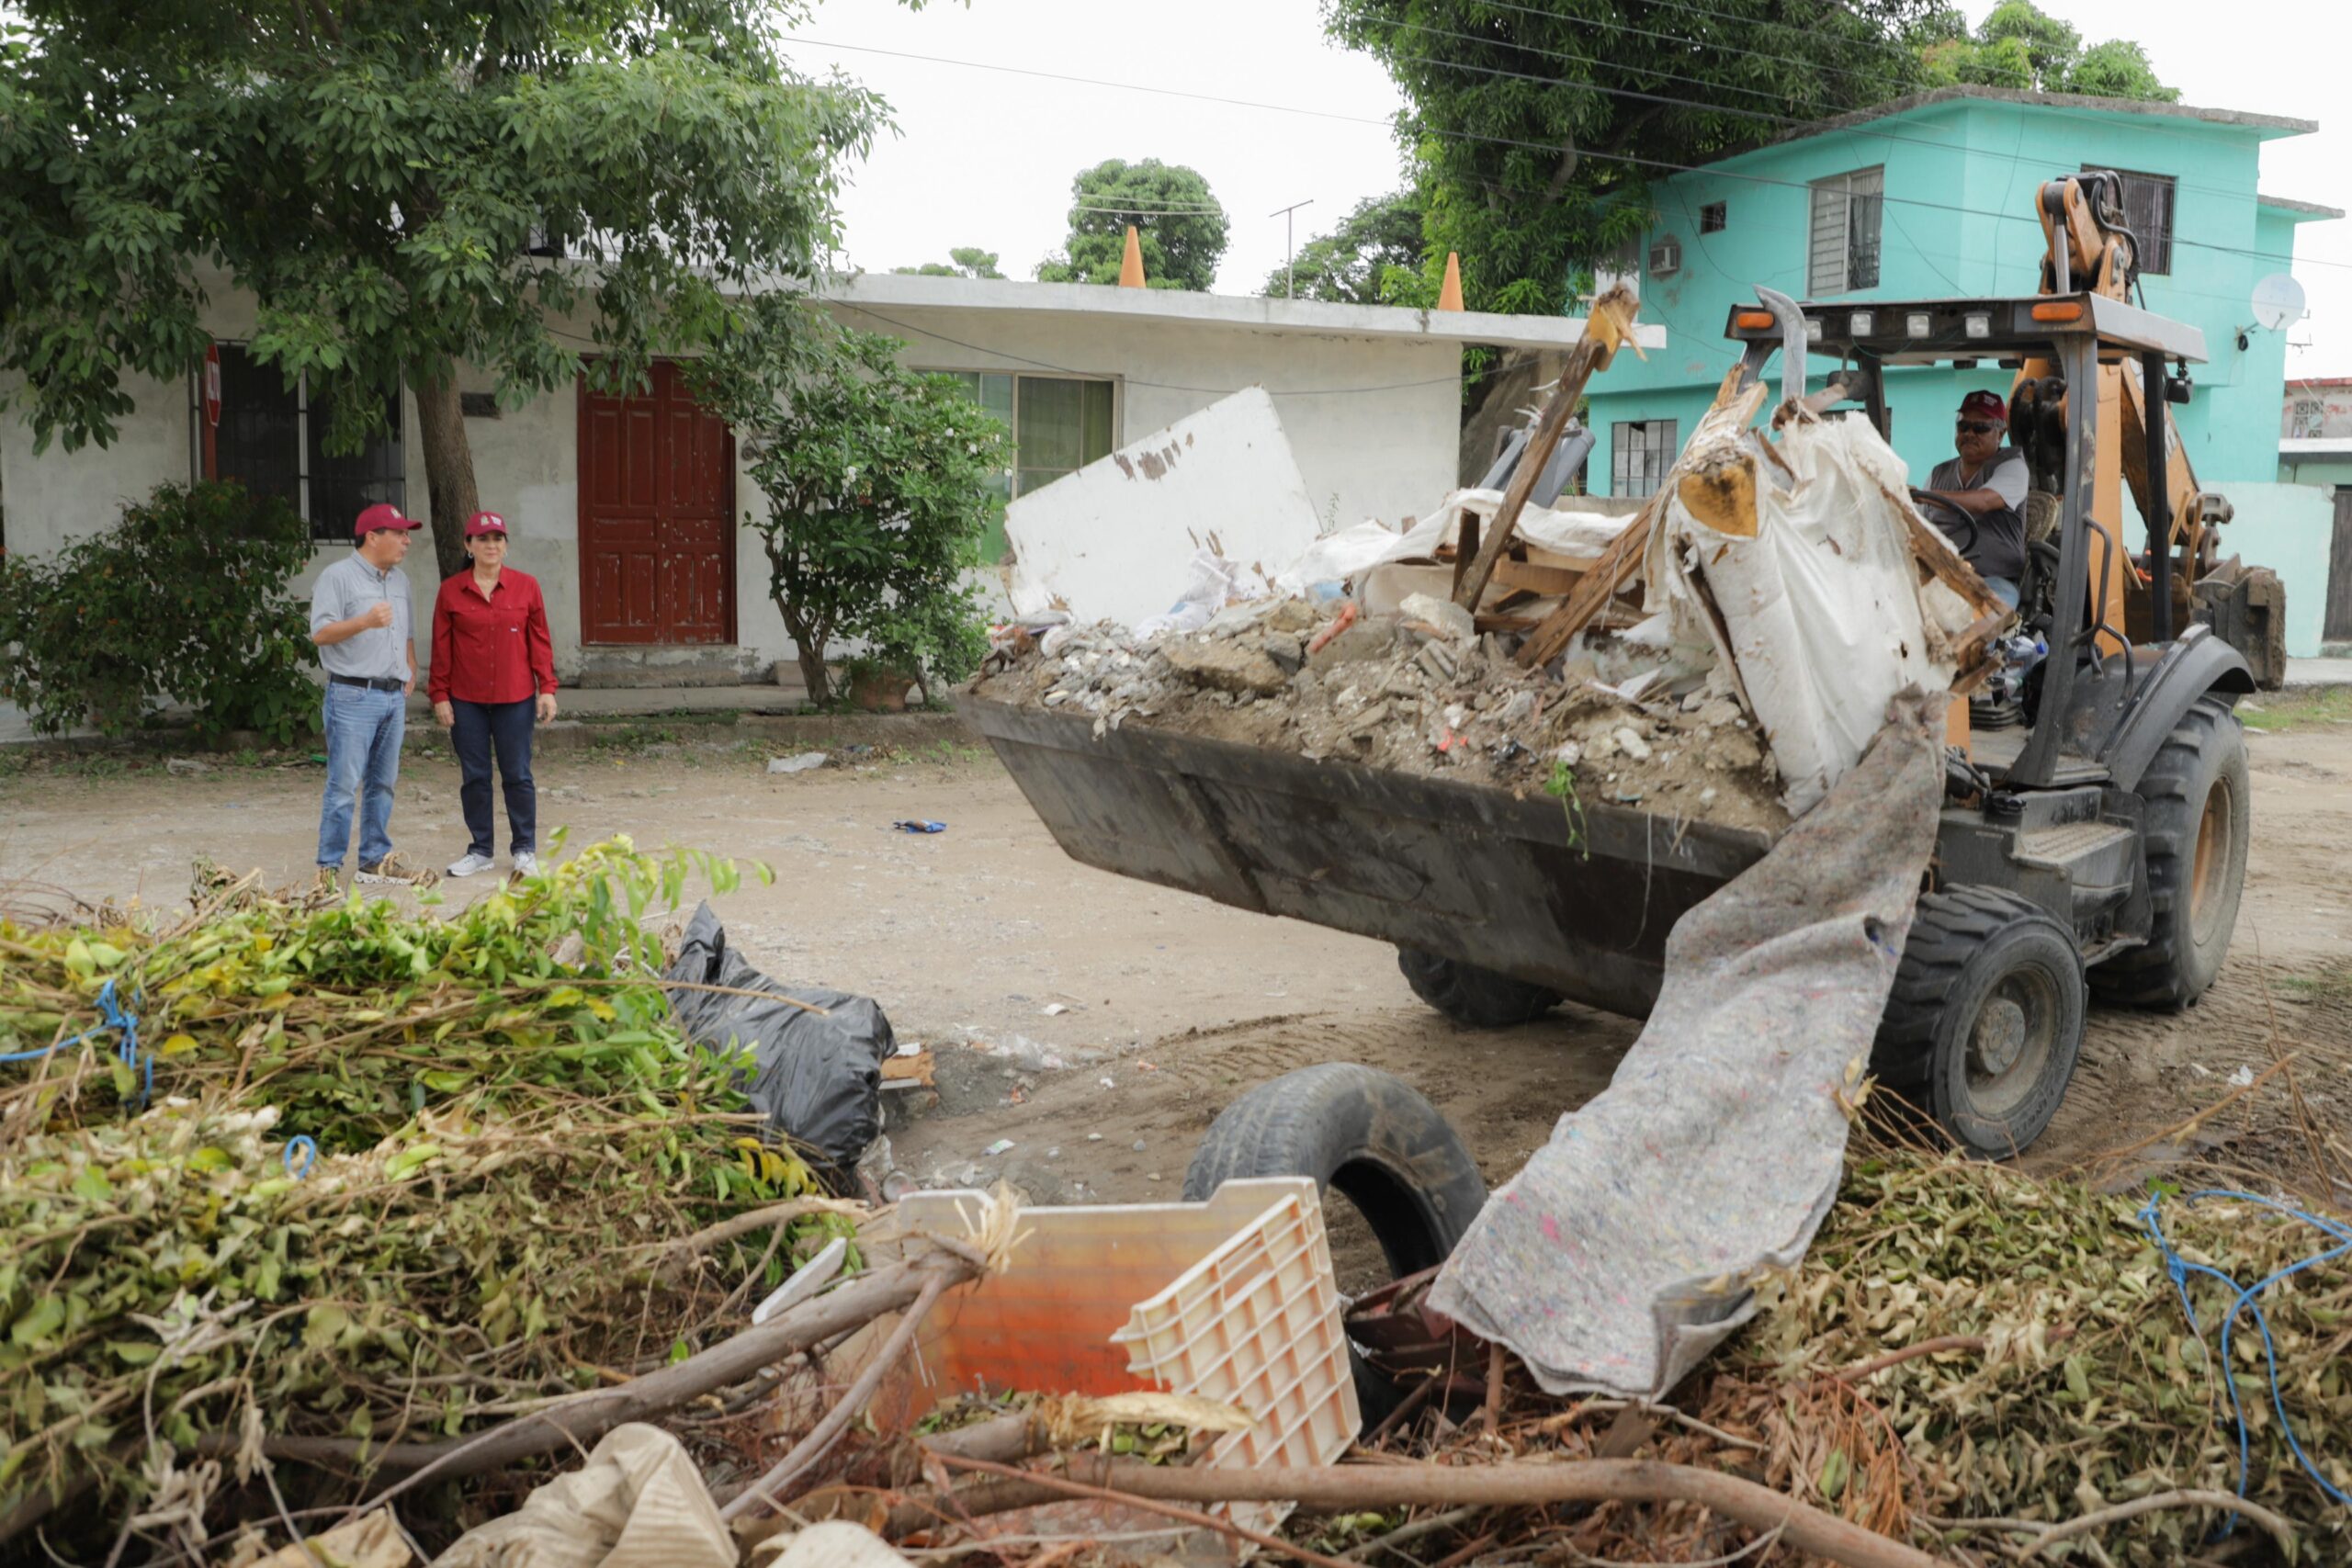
(2278, 301)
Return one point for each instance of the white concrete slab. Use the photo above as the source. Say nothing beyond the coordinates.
(1113, 540)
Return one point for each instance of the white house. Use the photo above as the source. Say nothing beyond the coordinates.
(629, 511)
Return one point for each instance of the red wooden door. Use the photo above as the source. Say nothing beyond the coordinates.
(657, 509)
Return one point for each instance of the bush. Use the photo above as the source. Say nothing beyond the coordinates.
(876, 479)
(185, 601)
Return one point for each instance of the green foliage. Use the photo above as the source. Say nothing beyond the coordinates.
(388, 180)
(963, 261)
(1561, 785)
(510, 1145)
(1180, 226)
(1373, 257)
(182, 599)
(1534, 134)
(2021, 46)
(875, 482)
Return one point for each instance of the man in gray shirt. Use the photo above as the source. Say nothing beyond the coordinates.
(360, 619)
(1978, 498)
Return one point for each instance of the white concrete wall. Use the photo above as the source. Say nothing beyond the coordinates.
(1385, 451)
(1363, 452)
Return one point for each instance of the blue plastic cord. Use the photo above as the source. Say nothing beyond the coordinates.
(310, 1148)
(124, 1023)
(2179, 1269)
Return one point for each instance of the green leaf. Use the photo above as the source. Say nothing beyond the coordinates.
(325, 1325)
(34, 1326)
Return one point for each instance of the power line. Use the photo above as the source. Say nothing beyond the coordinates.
(1628, 158)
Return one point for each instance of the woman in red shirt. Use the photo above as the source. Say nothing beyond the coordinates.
(493, 671)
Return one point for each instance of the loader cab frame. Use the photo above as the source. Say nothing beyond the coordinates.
(2095, 677)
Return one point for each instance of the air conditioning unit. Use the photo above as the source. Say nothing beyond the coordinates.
(1666, 257)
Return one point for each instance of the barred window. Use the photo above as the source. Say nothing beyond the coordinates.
(1640, 452)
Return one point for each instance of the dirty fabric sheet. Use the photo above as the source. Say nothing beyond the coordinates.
(1625, 1250)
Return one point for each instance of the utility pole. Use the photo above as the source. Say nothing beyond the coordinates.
(1290, 222)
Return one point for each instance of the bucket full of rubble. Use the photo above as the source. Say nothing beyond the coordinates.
(1531, 756)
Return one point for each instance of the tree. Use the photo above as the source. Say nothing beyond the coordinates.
(964, 261)
(875, 483)
(2019, 45)
(404, 185)
(1180, 227)
(1534, 134)
(1373, 257)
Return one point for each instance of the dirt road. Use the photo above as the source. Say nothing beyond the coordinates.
(985, 943)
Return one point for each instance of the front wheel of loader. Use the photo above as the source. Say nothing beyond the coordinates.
(2197, 822)
(1468, 994)
(1985, 1018)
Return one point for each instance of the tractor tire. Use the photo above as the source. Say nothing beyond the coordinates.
(1985, 1018)
(2196, 817)
(1389, 1152)
(1468, 994)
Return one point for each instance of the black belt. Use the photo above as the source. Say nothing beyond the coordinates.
(383, 685)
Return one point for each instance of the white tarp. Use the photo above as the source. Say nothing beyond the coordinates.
(1352, 551)
(1823, 613)
(1116, 540)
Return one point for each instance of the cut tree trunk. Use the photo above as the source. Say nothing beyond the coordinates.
(450, 495)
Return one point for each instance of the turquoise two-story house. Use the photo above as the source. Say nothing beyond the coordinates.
(1932, 197)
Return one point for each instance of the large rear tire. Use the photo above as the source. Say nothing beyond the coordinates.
(1468, 994)
(2196, 819)
(1985, 1019)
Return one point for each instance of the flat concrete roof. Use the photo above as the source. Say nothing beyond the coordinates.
(2270, 124)
(2315, 446)
(2309, 209)
(980, 298)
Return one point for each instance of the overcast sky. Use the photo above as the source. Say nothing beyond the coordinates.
(984, 157)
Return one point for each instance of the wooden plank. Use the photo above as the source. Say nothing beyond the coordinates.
(1608, 324)
(1546, 579)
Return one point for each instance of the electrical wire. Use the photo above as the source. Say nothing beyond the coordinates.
(1628, 158)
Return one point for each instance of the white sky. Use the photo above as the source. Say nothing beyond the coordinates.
(985, 157)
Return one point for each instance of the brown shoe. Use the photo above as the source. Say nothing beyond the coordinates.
(326, 888)
(391, 869)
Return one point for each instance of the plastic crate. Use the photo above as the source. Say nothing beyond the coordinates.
(1256, 1324)
(1232, 1300)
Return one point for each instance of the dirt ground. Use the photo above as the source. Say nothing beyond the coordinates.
(989, 945)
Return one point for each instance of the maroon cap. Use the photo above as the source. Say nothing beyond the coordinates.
(483, 522)
(1984, 405)
(381, 516)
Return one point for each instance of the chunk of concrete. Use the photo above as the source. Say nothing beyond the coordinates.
(799, 764)
(1235, 667)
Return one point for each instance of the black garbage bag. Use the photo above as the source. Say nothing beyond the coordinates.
(816, 1077)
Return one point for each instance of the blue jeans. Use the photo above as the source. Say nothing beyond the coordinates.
(363, 729)
(2003, 590)
(481, 728)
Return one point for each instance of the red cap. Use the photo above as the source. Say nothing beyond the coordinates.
(381, 516)
(1984, 405)
(483, 522)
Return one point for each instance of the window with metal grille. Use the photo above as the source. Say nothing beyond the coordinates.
(1713, 217)
(1843, 247)
(2147, 207)
(271, 440)
(1640, 451)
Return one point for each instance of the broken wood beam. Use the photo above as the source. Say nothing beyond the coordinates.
(1596, 588)
(1610, 323)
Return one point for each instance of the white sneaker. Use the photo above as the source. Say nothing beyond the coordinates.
(526, 863)
(469, 863)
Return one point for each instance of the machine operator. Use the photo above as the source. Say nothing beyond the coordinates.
(1978, 497)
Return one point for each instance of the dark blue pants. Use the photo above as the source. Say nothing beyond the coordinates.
(505, 728)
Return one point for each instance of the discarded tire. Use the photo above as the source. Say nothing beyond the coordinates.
(1468, 994)
(1374, 1137)
(2197, 821)
(1985, 1018)
(1367, 1132)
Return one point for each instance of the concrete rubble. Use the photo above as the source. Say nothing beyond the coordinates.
(1407, 692)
